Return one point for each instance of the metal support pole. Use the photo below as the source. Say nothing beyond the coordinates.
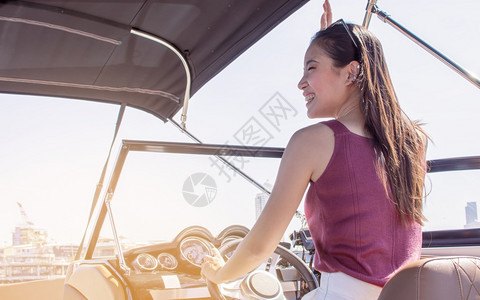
(188, 72)
(121, 259)
(371, 4)
(460, 70)
(223, 160)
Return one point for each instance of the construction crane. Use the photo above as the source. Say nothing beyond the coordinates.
(26, 220)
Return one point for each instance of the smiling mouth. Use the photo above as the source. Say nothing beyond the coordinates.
(309, 98)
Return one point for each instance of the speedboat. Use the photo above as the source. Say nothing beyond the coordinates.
(159, 206)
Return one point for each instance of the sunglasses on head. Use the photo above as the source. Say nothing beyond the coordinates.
(347, 29)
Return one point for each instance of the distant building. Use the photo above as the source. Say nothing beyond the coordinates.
(28, 235)
(261, 199)
(31, 256)
(471, 215)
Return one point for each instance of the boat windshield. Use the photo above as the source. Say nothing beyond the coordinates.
(160, 194)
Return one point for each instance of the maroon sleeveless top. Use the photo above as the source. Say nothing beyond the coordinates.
(355, 227)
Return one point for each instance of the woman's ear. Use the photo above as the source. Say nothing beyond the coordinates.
(353, 69)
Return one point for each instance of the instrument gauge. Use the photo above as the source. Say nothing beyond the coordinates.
(146, 262)
(194, 249)
(167, 261)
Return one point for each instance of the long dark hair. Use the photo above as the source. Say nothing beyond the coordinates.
(398, 141)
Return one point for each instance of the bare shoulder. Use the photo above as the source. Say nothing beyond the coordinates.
(315, 144)
(313, 135)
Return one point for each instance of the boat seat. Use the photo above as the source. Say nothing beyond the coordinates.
(71, 293)
(93, 281)
(48, 289)
(438, 278)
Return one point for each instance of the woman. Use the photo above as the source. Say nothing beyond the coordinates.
(365, 168)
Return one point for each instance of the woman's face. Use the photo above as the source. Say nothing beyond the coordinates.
(323, 85)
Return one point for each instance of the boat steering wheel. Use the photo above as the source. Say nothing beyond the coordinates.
(266, 280)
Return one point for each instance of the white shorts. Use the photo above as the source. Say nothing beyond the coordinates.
(340, 286)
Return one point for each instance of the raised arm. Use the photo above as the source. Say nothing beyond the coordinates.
(327, 15)
(292, 179)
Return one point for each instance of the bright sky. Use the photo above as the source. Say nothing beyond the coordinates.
(53, 150)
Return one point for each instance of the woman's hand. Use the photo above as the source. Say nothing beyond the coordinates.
(211, 266)
(326, 18)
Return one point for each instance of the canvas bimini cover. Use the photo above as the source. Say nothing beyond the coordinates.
(94, 49)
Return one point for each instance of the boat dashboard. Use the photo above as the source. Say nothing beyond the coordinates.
(163, 270)
(182, 255)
